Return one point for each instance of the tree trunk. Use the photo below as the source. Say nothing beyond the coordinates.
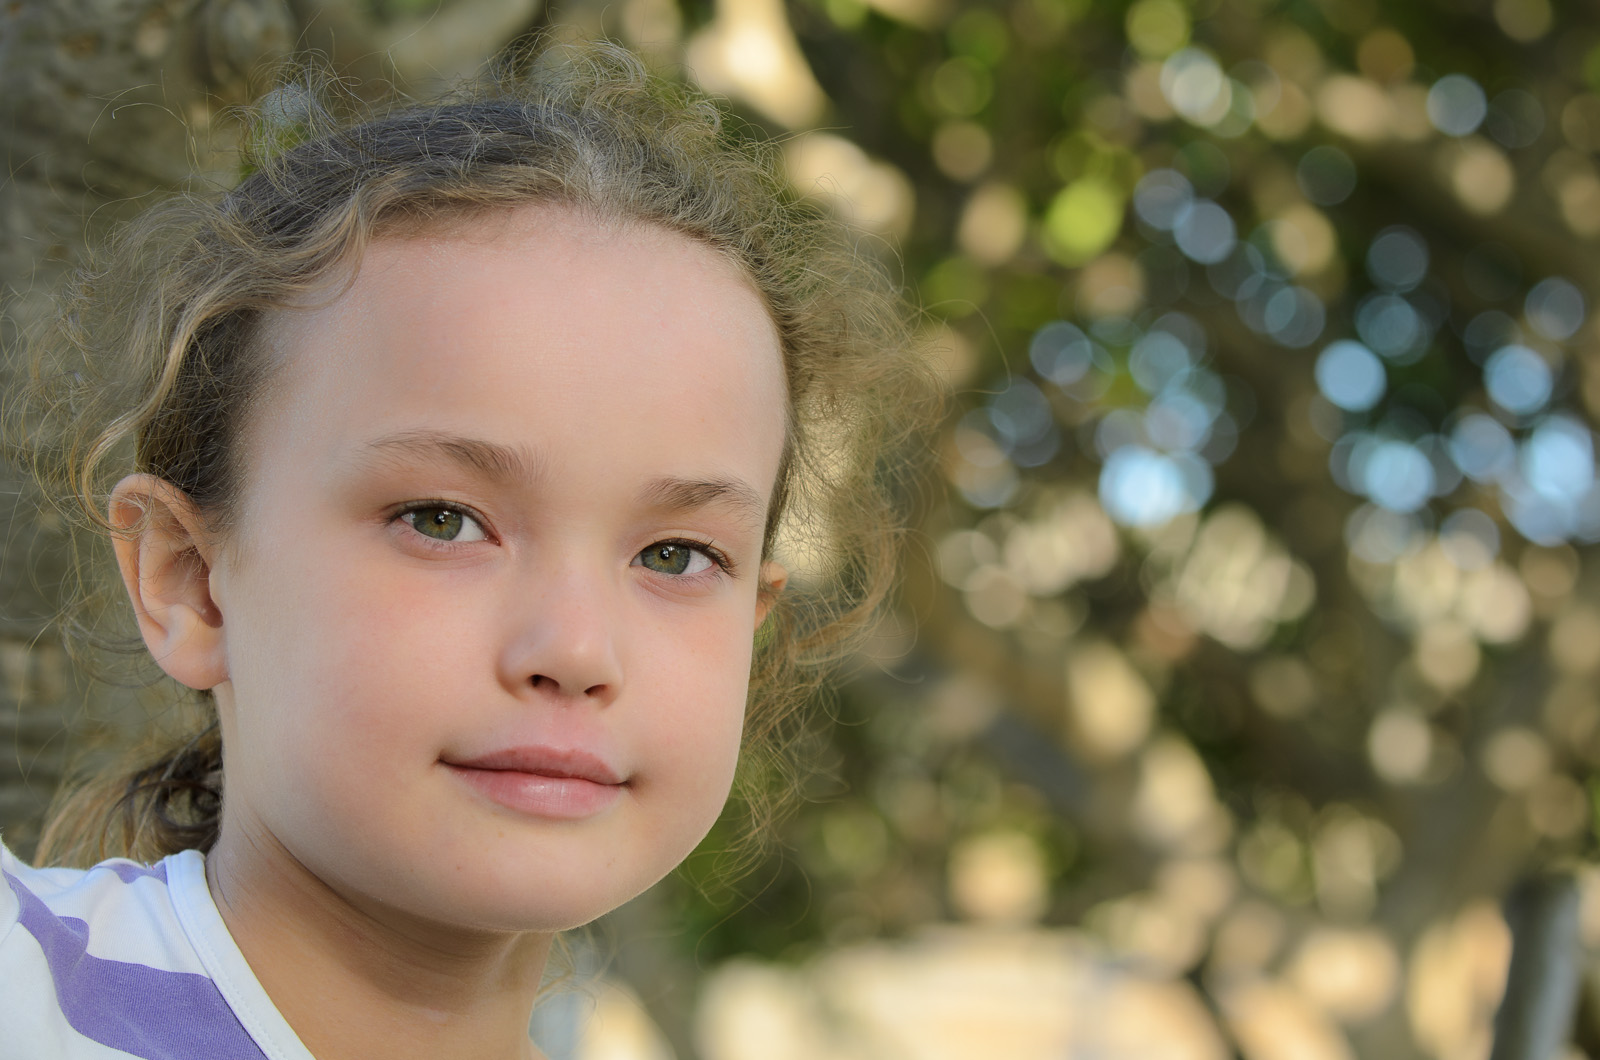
(105, 106)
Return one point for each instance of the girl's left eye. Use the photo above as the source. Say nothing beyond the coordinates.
(443, 523)
(675, 558)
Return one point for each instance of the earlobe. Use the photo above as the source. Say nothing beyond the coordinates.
(165, 556)
(774, 576)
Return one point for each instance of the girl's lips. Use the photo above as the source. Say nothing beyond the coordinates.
(542, 781)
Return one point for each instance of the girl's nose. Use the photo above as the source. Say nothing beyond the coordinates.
(564, 642)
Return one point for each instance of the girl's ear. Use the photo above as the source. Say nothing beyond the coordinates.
(165, 557)
(774, 576)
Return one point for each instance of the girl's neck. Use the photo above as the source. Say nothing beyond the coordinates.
(359, 982)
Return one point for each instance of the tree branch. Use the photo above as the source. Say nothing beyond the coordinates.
(1535, 1018)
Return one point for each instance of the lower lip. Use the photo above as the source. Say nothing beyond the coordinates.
(560, 798)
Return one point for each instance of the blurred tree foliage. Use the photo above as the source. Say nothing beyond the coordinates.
(1258, 634)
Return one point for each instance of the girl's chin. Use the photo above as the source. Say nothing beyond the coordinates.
(533, 905)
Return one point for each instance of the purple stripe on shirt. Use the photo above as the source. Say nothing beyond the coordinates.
(148, 1012)
(127, 871)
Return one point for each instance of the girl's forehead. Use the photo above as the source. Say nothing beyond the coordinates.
(546, 304)
(551, 237)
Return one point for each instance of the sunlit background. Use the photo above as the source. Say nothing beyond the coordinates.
(1246, 662)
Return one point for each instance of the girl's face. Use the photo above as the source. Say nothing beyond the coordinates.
(488, 611)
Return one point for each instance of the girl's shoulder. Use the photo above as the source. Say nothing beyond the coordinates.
(126, 958)
(125, 908)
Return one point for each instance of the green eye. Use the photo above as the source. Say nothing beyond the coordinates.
(667, 557)
(444, 524)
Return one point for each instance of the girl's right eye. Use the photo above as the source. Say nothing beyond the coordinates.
(443, 523)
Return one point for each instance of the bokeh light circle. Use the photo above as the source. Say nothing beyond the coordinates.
(1161, 196)
(1024, 424)
(1178, 420)
(1469, 538)
(1392, 473)
(1518, 380)
(1391, 326)
(1196, 87)
(1397, 260)
(1456, 105)
(1326, 175)
(1351, 376)
(1555, 308)
(1204, 232)
(1118, 429)
(1558, 459)
(1157, 359)
(1061, 353)
(1381, 536)
(1142, 487)
(1481, 447)
(1540, 518)
(1294, 316)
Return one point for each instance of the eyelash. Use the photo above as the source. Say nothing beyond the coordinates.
(721, 564)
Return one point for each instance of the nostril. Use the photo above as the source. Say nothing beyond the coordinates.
(551, 685)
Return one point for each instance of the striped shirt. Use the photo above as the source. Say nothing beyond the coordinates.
(126, 960)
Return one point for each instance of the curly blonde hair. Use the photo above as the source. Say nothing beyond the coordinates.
(155, 362)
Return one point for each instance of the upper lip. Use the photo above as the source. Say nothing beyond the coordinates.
(559, 763)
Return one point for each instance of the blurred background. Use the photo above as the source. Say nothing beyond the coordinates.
(1241, 701)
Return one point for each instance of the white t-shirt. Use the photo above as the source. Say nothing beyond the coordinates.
(123, 960)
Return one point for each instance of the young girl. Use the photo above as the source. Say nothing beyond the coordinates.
(452, 459)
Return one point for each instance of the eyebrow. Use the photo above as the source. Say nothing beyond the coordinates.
(506, 463)
(489, 459)
(688, 495)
